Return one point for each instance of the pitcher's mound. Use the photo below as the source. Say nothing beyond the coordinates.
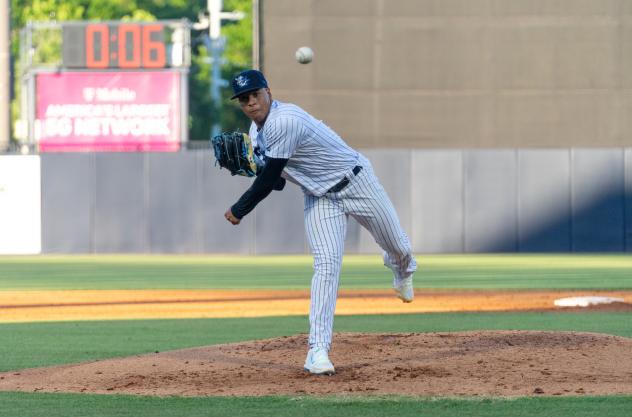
(436, 364)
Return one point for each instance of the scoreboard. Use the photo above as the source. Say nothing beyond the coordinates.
(121, 87)
(115, 45)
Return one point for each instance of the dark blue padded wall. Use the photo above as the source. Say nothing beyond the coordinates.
(544, 201)
(218, 190)
(68, 201)
(173, 202)
(438, 201)
(628, 200)
(449, 201)
(598, 200)
(120, 210)
(490, 206)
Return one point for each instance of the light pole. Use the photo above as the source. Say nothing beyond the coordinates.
(217, 44)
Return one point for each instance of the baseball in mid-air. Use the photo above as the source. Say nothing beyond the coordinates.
(304, 55)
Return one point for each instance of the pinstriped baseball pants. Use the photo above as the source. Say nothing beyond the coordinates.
(365, 200)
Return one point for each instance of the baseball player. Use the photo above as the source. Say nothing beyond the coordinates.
(337, 182)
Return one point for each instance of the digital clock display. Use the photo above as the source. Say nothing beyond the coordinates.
(114, 45)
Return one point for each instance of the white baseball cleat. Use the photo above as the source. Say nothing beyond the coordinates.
(404, 289)
(318, 363)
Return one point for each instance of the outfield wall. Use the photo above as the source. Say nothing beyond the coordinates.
(453, 201)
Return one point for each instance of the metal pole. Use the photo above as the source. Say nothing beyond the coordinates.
(217, 44)
(215, 23)
(256, 35)
(5, 88)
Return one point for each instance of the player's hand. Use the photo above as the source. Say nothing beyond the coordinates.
(231, 218)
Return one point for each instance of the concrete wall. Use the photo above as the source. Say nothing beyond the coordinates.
(457, 73)
(449, 201)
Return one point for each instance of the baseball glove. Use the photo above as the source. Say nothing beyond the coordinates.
(234, 151)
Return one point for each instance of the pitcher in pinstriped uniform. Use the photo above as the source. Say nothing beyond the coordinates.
(337, 182)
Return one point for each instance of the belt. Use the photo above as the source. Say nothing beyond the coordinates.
(345, 181)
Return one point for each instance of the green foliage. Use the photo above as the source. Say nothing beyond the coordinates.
(26, 345)
(47, 46)
(202, 112)
(200, 106)
(237, 56)
(62, 10)
(45, 10)
(239, 34)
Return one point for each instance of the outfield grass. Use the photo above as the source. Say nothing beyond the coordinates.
(75, 405)
(27, 345)
(292, 272)
(39, 344)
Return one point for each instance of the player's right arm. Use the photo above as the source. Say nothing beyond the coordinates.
(261, 187)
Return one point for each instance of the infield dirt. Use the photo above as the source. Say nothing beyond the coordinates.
(30, 306)
(488, 363)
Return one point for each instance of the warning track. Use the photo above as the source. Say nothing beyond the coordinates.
(28, 306)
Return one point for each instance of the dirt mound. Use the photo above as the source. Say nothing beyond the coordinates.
(498, 363)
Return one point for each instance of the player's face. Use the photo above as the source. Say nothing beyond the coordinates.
(256, 104)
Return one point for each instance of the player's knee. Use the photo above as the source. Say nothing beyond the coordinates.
(401, 251)
(403, 258)
(327, 268)
(405, 250)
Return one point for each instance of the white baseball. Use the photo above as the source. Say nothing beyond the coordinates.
(304, 55)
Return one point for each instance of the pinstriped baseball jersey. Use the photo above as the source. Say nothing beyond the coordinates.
(337, 182)
(318, 157)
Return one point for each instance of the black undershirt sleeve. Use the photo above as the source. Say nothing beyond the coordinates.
(269, 179)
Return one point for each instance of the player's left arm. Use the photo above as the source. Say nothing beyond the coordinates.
(269, 179)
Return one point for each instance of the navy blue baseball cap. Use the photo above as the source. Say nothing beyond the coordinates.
(246, 81)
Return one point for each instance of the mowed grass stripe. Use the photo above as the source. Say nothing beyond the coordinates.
(27, 345)
(80, 405)
(294, 272)
(471, 260)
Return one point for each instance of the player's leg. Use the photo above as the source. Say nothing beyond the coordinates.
(326, 226)
(369, 204)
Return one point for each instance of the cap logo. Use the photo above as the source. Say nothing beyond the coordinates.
(241, 81)
(246, 81)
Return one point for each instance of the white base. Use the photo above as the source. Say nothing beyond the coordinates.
(585, 301)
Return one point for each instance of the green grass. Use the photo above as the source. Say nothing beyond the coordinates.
(284, 272)
(74, 405)
(39, 344)
(27, 345)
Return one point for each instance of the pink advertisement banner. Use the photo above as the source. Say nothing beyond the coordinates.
(108, 111)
